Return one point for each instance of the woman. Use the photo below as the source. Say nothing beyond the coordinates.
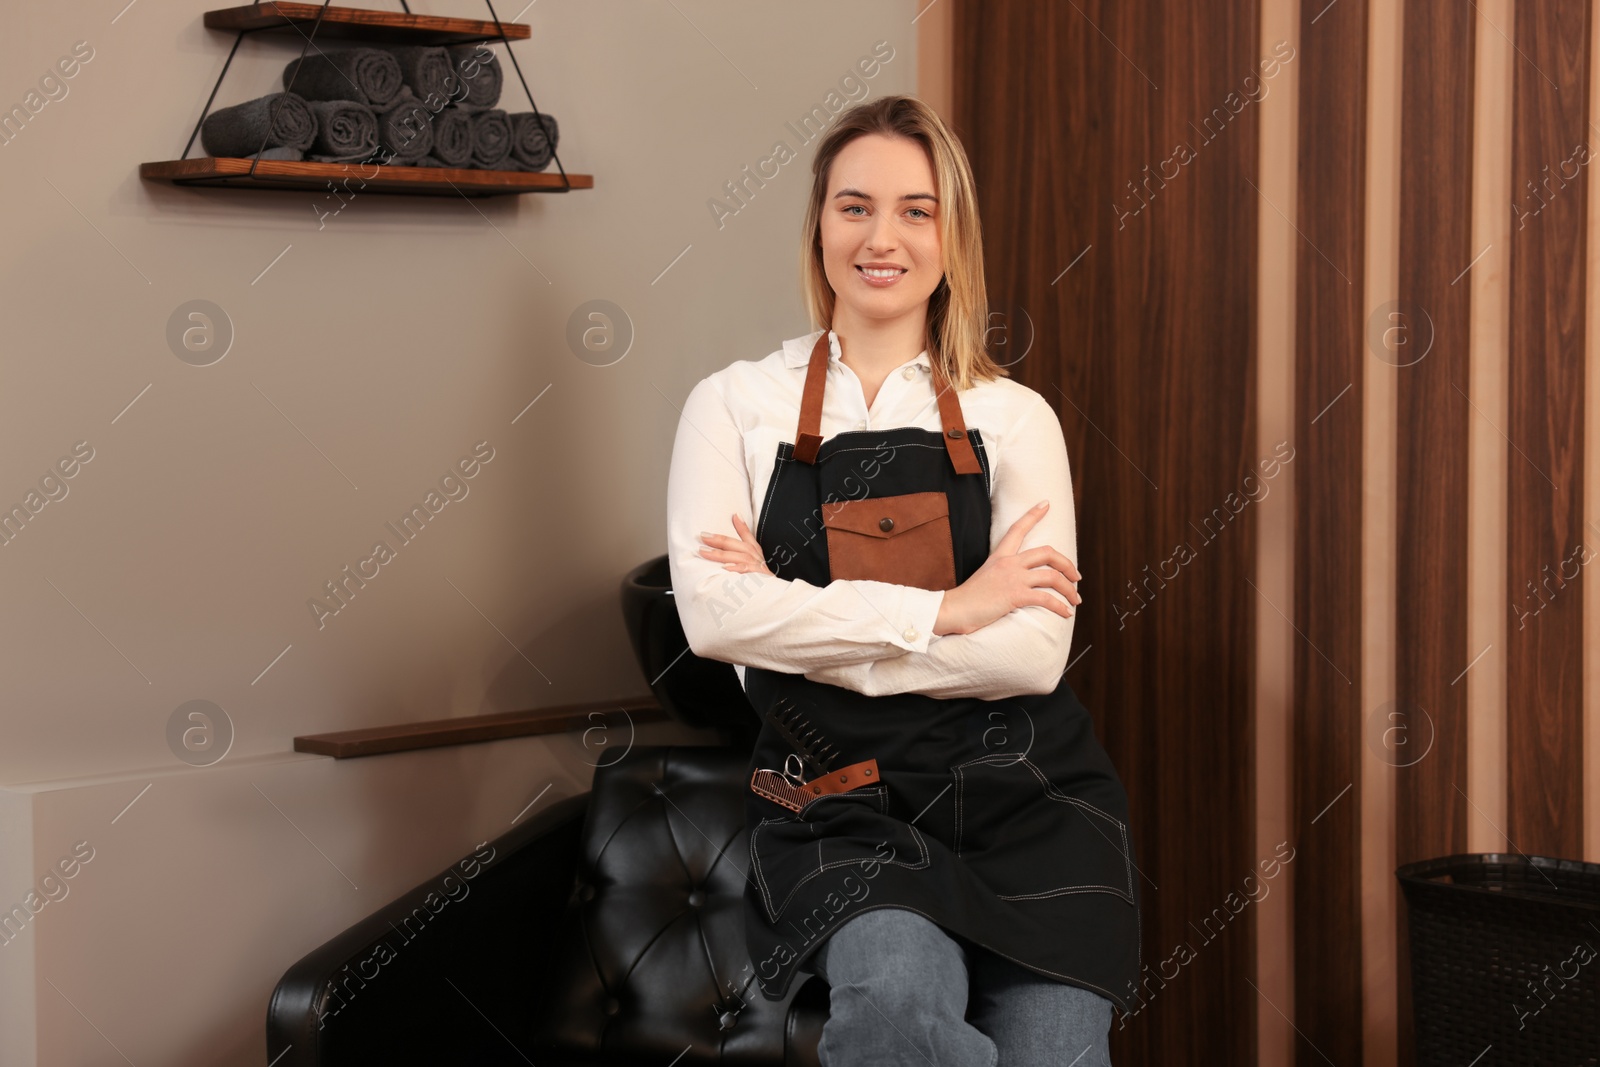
(931, 818)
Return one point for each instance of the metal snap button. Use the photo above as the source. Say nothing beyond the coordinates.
(957, 433)
(885, 524)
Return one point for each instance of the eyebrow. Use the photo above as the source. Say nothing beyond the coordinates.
(864, 196)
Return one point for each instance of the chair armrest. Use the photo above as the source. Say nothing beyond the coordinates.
(449, 972)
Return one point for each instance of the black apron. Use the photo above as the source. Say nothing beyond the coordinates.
(1002, 821)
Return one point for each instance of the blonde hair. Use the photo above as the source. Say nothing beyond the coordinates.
(958, 310)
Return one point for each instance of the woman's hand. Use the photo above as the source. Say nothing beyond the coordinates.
(1010, 579)
(742, 553)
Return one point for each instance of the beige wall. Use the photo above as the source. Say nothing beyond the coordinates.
(372, 350)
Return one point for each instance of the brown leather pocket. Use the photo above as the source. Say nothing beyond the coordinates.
(901, 539)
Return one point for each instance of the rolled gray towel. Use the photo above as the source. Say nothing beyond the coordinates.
(365, 75)
(452, 138)
(425, 69)
(406, 129)
(533, 139)
(239, 130)
(479, 70)
(491, 138)
(282, 153)
(346, 130)
(372, 158)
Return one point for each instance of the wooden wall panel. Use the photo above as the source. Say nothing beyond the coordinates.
(1548, 253)
(1329, 347)
(1434, 386)
(1426, 727)
(1145, 348)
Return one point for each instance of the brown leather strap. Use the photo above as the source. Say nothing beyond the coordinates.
(844, 780)
(808, 435)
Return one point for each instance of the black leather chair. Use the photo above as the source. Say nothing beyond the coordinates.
(605, 929)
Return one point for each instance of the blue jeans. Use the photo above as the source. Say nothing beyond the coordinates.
(899, 994)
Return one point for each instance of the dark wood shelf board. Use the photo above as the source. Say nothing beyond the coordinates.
(231, 172)
(345, 23)
(618, 716)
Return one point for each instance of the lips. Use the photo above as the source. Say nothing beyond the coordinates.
(880, 272)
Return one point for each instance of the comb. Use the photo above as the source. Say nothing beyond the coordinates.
(803, 737)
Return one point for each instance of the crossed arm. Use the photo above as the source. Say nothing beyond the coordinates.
(872, 637)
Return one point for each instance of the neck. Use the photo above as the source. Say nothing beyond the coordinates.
(877, 346)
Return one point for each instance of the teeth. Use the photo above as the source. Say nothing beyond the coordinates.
(872, 273)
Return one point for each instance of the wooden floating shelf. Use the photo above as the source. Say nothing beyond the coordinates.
(389, 27)
(616, 717)
(284, 174)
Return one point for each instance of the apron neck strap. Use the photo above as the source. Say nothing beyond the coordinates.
(808, 436)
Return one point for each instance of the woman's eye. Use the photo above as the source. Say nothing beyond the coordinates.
(852, 207)
(922, 213)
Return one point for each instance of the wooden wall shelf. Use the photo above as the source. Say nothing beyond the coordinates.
(389, 27)
(308, 21)
(614, 715)
(229, 172)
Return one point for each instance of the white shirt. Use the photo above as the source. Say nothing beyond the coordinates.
(871, 637)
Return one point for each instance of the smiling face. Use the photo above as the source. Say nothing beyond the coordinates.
(880, 229)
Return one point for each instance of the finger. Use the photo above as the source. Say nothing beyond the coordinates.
(1054, 579)
(1045, 556)
(740, 555)
(744, 533)
(1012, 541)
(1053, 603)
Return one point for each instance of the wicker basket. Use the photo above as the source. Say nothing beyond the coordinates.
(1505, 960)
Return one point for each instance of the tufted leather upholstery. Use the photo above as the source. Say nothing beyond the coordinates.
(607, 929)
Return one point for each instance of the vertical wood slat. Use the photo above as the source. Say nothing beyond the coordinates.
(1329, 340)
(1434, 421)
(1144, 347)
(1545, 490)
(1427, 732)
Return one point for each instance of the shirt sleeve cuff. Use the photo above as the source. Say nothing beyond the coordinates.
(920, 612)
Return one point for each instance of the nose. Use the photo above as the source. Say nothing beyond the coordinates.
(883, 238)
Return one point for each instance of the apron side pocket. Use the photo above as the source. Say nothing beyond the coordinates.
(1028, 839)
(833, 831)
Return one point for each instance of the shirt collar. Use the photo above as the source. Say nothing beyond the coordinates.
(797, 351)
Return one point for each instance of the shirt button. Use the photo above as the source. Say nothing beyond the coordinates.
(909, 373)
(862, 425)
(910, 635)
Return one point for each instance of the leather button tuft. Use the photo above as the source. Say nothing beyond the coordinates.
(586, 892)
(885, 524)
(727, 1019)
(696, 898)
(611, 1007)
